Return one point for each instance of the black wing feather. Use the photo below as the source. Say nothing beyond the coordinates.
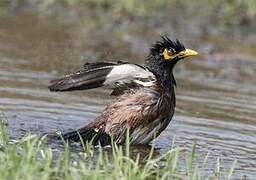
(94, 65)
(86, 79)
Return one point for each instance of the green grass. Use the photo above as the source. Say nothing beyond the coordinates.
(31, 158)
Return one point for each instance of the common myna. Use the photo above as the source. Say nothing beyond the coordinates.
(145, 95)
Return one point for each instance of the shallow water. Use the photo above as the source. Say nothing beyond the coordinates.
(216, 94)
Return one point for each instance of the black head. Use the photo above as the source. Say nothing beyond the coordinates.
(170, 51)
(164, 55)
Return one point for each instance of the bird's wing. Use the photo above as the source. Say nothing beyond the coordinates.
(117, 76)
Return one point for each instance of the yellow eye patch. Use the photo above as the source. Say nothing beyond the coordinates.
(167, 54)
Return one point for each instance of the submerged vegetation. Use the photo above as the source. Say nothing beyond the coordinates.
(31, 158)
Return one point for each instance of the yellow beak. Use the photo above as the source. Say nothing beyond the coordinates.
(181, 54)
(187, 53)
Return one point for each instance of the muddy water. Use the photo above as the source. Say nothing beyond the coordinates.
(216, 94)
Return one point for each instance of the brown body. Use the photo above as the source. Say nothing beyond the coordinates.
(146, 112)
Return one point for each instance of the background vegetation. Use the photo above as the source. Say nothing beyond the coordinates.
(230, 15)
(230, 24)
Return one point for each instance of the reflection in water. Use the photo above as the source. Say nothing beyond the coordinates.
(216, 102)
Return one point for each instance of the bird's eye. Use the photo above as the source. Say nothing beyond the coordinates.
(167, 54)
(171, 51)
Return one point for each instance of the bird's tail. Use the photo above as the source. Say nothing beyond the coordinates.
(87, 134)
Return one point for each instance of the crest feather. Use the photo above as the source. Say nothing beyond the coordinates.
(166, 43)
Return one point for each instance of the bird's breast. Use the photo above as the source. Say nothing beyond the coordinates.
(161, 110)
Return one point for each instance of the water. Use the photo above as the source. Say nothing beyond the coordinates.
(216, 94)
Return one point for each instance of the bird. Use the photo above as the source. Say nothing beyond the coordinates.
(144, 95)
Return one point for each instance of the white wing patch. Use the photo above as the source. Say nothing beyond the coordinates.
(129, 73)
